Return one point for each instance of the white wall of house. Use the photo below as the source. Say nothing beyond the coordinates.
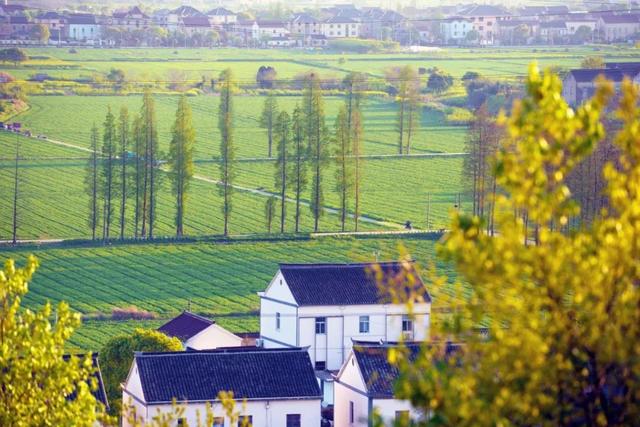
(389, 408)
(455, 30)
(334, 30)
(267, 413)
(298, 324)
(212, 337)
(84, 32)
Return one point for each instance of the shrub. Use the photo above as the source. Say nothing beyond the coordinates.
(131, 312)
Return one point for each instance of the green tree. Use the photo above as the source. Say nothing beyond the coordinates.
(91, 183)
(149, 133)
(282, 133)
(268, 118)
(344, 170)
(583, 34)
(472, 36)
(316, 132)
(562, 346)
(123, 139)
(355, 84)
(593, 62)
(117, 355)
(299, 160)
(181, 159)
(13, 54)
(270, 212)
(138, 175)
(37, 381)
(439, 81)
(108, 171)
(227, 146)
(407, 83)
(41, 33)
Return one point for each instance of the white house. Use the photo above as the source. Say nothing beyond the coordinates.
(268, 29)
(324, 307)
(272, 388)
(83, 27)
(455, 29)
(366, 382)
(580, 85)
(199, 333)
(618, 27)
(341, 27)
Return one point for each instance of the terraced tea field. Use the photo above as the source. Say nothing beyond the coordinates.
(217, 280)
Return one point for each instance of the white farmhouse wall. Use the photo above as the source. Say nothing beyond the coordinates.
(388, 408)
(277, 298)
(212, 337)
(343, 398)
(264, 413)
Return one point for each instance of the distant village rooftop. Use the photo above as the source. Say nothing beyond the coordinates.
(185, 326)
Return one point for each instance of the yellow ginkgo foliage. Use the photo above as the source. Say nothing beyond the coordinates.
(561, 304)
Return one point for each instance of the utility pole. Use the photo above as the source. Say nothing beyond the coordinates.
(15, 192)
(428, 211)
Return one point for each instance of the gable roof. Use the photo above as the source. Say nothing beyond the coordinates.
(196, 21)
(185, 326)
(626, 18)
(345, 284)
(251, 373)
(220, 11)
(484, 10)
(186, 11)
(378, 374)
(585, 75)
(81, 19)
(304, 18)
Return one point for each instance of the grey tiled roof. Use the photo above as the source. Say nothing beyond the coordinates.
(251, 373)
(347, 284)
(185, 326)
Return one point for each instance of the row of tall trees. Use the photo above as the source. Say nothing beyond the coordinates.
(122, 169)
(304, 146)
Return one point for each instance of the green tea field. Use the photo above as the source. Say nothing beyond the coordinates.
(217, 280)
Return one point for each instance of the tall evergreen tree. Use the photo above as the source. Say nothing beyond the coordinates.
(268, 119)
(299, 160)
(316, 138)
(355, 84)
(344, 170)
(227, 146)
(91, 183)
(269, 212)
(138, 175)
(16, 185)
(150, 186)
(180, 160)
(282, 133)
(109, 171)
(123, 138)
(408, 85)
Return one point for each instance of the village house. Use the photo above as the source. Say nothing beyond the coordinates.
(616, 28)
(199, 333)
(271, 387)
(580, 85)
(221, 17)
(304, 25)
(379, 24)
(324, 307)
(55, 22)
(576, 20)
(83, 27)
(553, 32)
(340, 27)
(265, 30)
(485, 20)
(132, 19)
(454, 30)
(191, 25)
(514, 32)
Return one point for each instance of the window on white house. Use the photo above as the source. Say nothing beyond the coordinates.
(320, 365)
(293, 420)
(218, 422)
(352, 415)
(277, 321)
(407, 323)
(242, 422)
(364, 324)
(321, 325)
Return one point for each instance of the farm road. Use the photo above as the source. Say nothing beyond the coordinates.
(254, 191)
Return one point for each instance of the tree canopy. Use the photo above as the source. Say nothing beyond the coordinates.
(561, 306)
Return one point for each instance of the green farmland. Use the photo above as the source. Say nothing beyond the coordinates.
(217, 280)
